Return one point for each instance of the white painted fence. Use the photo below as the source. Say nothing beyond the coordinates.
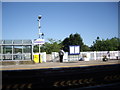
(55, 56)
(43, 56)
(96, 55)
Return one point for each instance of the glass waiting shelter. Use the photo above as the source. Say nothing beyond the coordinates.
(16, 50)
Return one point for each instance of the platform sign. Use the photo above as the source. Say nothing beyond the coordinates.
(74, 49)
(39, 41)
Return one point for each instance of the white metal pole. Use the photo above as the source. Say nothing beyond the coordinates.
(1, 52)
(39, 48)
(39, 32)
(39, 27)
(39, 17)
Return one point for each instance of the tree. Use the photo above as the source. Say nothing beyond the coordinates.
(85, 48)
(73, 39)
(51, 46)
(106, 45)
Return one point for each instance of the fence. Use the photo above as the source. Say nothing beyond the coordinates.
(96, 55)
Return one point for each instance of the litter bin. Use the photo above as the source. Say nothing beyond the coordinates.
(37, 58)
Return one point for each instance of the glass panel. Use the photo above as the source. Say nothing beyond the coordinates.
(17, 53)
(17, 41)
(17, 57)
(17, 49)
(0, 49)
(1, 41)
(27, 56)
(27, 52)
(7, 49)
(0, 53)
(27, 42)
(26, 49)
(7, 57)
(0, 57)
(7, 41)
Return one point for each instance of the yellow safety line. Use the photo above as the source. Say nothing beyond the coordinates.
(54, 67)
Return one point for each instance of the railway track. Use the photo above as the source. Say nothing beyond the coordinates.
(76, 77)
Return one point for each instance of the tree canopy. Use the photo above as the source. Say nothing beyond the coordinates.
(106, 45)
(73, 39)
(53, 45)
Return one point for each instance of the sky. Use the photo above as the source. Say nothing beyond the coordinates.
(60, 19)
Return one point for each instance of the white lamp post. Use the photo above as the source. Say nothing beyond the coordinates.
(40, 39)
(39, 17)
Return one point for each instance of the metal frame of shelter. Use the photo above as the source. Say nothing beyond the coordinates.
(16, 50)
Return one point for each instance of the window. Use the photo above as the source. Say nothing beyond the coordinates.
(7, 49)
(17, 49)
(26, 49)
